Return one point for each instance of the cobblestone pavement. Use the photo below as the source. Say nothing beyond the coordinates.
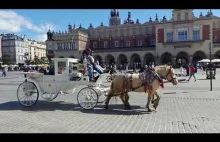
(187, 108)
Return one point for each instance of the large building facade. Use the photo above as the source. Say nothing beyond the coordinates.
(183, 38)
(36, 49)
(16, 46)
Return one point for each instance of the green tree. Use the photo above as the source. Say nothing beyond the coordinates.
(37, 61)
(44, 60)
(6, 59)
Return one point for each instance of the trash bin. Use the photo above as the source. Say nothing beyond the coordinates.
(210, 73)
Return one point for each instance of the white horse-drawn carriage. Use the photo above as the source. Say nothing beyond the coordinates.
(64, 81)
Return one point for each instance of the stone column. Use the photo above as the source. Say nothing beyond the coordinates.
(190, 58)
(157, 60)
(142, 62)
(174, 60)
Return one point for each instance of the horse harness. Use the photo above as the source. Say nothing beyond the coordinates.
(152, 75)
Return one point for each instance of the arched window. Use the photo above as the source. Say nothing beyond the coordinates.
(186, 16)
(178, 17)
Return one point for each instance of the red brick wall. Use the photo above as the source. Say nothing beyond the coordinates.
(216, 33)
(206, 32)
(160, 34)
(122, 42)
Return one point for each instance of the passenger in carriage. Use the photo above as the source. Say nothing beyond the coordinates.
(43, 69)
(51, 70)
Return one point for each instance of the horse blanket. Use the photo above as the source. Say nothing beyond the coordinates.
(147, 77)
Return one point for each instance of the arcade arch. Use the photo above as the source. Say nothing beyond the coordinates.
(182, 58)
(166, 58)
(99, 59)
(71, 56)
(149, 59)
(197, 56)
(109, 60)
(122, 59)
(135, 59)
(217, 55)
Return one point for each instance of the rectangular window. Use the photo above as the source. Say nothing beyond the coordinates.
(170, 37)
(94, 44)
(71, 46)
(140, 43)
(105, 44)
(214, 38)
(128, 43)
(152, 42)
(196, 35)
(182, 36)
(116, 43)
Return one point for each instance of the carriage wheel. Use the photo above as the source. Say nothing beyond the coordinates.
(109, 78)
(27, 94)
(49, 96)
(102, 93)
(87, 98)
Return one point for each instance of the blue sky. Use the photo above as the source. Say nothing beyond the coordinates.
(35, 23)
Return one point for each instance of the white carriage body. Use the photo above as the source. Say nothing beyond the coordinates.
(58, 82)
(65, 80)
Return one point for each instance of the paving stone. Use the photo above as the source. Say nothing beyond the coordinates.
(185, 108)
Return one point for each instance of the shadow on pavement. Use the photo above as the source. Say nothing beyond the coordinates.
(203, 79)
(63, 106)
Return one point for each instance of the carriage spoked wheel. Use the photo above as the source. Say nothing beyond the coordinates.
(109, 78)
(87, 98)
(27, 94)
(49, 96)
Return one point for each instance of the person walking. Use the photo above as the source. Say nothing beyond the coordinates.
(4, 72)
(191, 72)
(181, 70)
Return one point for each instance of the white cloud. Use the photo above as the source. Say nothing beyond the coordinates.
(41, 37)
(10, 21)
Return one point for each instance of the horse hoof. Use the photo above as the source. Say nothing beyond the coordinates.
(106, 107)
(149, 110)
(155, 107)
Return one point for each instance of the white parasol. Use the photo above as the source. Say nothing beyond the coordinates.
(216, 60)
(204, 61)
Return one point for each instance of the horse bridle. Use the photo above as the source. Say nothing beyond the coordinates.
(169, 72)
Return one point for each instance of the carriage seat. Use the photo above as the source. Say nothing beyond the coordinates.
(76, 76)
